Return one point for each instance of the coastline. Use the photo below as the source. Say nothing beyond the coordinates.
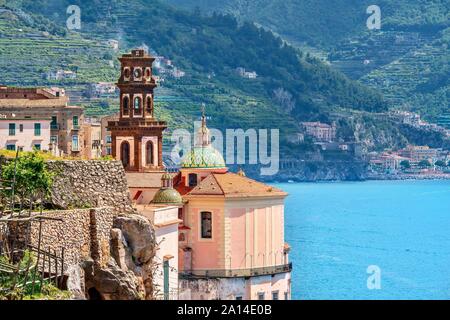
(442, 176)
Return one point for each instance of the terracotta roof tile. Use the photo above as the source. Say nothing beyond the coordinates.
(233, 185)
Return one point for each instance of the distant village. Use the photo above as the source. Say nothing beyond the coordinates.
(409, 162)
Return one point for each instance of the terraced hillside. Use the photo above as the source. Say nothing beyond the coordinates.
(405, 59)
(207, 49)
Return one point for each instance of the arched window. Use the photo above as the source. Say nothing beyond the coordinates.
(125, 154)
(147, 72)
(149, 153)
(126, 73)
(192, 179)
(126, 105)
(206, 225)
(137, 106)
(148, 105)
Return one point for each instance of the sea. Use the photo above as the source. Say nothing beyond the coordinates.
(369, 240)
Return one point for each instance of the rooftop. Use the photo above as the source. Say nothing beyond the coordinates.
(232, 185)
(32, 97)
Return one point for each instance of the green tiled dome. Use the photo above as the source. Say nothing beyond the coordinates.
(167, 196)
(203, 157)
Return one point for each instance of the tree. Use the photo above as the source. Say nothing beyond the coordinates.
(405, 164)
(424, 164)
(33, 180)
(440, 163)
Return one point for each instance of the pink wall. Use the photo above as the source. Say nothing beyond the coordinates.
(237, 217)
(257, 235)
(207, 253)
(246, 233)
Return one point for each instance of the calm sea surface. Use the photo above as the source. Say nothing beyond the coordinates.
(337, 230)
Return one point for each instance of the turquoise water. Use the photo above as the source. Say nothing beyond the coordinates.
(336, 230)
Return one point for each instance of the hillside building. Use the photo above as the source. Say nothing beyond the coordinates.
(66, 131)
(320, 131)
(419, 153)
(24, 134)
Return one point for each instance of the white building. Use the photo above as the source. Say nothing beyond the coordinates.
(24, 134)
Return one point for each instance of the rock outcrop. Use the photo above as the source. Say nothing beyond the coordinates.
(128, 275)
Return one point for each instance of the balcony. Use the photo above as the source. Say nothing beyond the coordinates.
(54, 126)
(76, 127)
(236, 273)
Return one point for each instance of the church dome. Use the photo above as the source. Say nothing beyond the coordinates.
(203, 157)
(167, 196)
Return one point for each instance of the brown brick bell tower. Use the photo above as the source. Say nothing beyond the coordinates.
(137, 136)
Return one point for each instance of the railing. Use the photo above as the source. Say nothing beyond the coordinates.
(54, 126)
(236, 273)
(138, 123)
(76, 127)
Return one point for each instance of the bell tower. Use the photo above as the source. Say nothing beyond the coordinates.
(137, 136)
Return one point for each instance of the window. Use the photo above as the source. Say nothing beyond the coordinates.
(108, 139)
(75, 143)
(147, 72)
(149, 153)
(11, 147)
(20, 127)
(137, 73)
(37, 147)
(206, 225)
(275, 295)
(126, 73)
(149, 105)
(286, 296)
(20, 149)
(126, 105)
(182, 237)
(261, 296)
(108, 151)
(54, 139)
(137, 105)
(192, 179)
(54, 123)
(238, 297)
(75, 121)
(37, 129)
(12, 129)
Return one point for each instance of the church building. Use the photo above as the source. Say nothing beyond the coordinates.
(220, 234)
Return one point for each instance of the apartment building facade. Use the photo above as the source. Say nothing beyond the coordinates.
(66, 130)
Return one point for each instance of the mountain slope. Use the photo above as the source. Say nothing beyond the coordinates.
(407, 59)
(214, 45)
(326, 22)
(291, 86)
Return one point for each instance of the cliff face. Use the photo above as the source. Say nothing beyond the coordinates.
(378, 132)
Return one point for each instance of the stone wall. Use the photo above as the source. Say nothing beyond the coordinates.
(87, 184)
(83, 233)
